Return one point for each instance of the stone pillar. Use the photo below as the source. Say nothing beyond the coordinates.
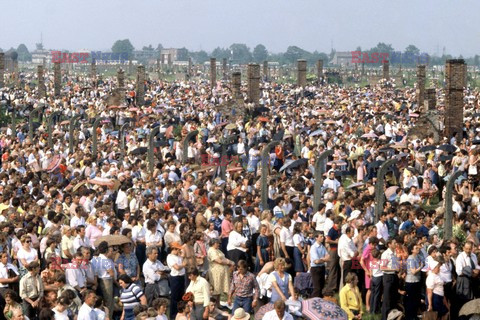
(16, 73)
(302, 73)
(236, 85)
(213, 73)
(386, 70)
(421, 86)
(93, 71)
(190, 67)
(455, 82)
(265, 71)
(225, 69)
(140, 86)
(57, 78)
(130, 67)
(41, 82)
(121, 78)
(253, 74)
(431, 102)
(319, 71)
(2, 69)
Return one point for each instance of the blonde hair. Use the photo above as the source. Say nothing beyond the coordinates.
(350, 277)
(91, 218)
(278, 262)
(265, 214)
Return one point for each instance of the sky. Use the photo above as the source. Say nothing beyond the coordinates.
(431, 25)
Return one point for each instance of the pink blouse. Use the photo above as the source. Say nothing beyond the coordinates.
(92, 233)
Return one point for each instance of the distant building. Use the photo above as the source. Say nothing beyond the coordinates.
(168, 56)
(342, 59)
(39, 54)
(145, 55)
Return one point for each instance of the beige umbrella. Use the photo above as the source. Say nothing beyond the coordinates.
(113, 240)
(471, 307)
(231, 126)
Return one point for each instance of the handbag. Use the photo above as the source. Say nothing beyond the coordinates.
(430, 315)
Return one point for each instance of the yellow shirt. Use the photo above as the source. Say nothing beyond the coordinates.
(350, 299)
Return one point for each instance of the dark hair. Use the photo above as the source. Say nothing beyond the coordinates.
(193, 272)
(125, 278)
(181, 305)
(46, 314)
(103, 247)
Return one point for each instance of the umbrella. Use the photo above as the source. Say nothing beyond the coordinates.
(113, 240)
(471, 307)
(390, 191)
(262, 109)
(330, 122)
(355, 185)
(370, 135)
(446, 157)
(78, 185)
(262, 310)
(337, 162)
(133, 109)
(447, 148)
(316, 133)
(54, 163)
(231, 126)
(376, 164)
(263, 119)
(64, 122)
(294, 164)
(427, 148)
(320, 309)
(476, 142)
(140, 150)
(102, 182)
(414, 115)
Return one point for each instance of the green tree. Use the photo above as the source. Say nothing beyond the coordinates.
(199, 57)
(23, 53)
(221, 53)
(240, 53)
(149, 48)
(260, 53)
(294, 53)
(123, 46)
(413, 50)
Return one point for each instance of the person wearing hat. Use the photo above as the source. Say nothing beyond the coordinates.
(240, 314)
(177, 264)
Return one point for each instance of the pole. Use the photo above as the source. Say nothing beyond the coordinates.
(379, 192)
(319, 171)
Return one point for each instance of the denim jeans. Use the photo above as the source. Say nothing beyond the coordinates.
(243, 302)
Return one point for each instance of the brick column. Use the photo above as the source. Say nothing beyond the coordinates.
(302, 73)
(57, 78)
(190, 71)
(236, 85)
(41, 82)
(455, 82)
(121, 78)
(253, 74)
(386, 70)
(140, 86)
(224, 69)
(431, 102)
(319, 71)
(93, 72)
(266, 75)
(421, 75)
(2, 69)
(213, 73)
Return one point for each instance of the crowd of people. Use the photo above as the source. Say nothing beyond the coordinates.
(199, 245)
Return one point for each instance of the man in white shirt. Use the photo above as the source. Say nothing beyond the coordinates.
(122, 201)
(86, 311)
(331, 182)
(389, 266)
(80, 240)
(278, 313)
(319, 218)
(382, 228)
(105, 270)
(153, 271)
(347, 250)
(467, 268)
(75, 273)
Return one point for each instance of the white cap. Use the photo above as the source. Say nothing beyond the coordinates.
(354, 215)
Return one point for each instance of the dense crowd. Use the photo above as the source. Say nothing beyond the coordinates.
(198, 245)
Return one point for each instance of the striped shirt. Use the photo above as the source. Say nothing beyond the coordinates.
(130, 296)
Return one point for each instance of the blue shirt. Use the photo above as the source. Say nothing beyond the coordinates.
(317, 251)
